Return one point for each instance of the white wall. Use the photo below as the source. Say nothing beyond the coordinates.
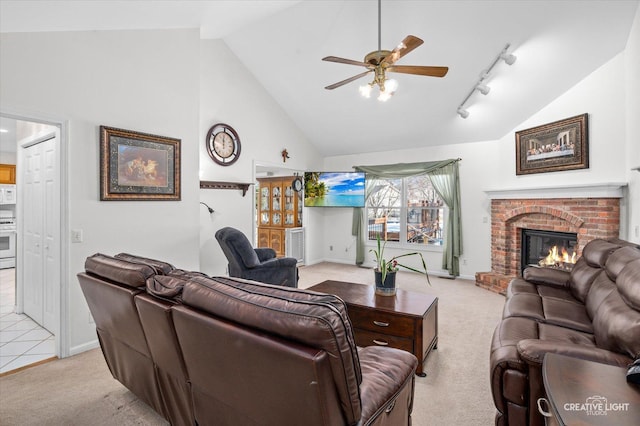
(145, 81)
(168, 83)
(632, 71)
(231, 95)
(491, 165)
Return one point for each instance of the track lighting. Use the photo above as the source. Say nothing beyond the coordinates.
(480, 86)
(463, 113)
(483, 88)
(508, 58)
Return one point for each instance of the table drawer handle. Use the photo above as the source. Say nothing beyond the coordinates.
(381, 324)
(380, 342)
(542, 410)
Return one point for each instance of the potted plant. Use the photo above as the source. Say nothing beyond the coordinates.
(385, 270)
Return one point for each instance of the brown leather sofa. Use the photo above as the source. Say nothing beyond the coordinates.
(227, 351)
(592, 313)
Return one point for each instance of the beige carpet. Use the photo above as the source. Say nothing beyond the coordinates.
(79, 390)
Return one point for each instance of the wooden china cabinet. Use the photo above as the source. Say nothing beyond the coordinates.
(279, 208)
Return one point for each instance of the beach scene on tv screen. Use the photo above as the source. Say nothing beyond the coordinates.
(334, 189)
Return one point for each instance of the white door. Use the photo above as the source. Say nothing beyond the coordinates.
(41, 227)
(33, 289)
(51, 235)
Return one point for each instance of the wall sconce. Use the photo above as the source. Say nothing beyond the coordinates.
(480, 86)
(208, 208)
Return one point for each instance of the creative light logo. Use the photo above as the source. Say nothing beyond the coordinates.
(596, 406)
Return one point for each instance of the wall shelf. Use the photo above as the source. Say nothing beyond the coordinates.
(207, 184)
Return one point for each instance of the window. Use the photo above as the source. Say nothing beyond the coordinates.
(408, 211)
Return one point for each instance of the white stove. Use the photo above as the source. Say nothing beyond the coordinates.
(8, 230)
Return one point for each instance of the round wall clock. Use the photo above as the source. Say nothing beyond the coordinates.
(223, 144)
(297, 184)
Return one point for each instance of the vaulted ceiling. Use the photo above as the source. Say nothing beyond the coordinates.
(557, 44)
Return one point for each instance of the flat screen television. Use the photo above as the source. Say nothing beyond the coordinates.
(334, 189)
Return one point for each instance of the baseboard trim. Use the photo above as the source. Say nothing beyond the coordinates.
(75, 350)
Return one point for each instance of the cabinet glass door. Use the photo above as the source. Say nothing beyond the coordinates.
(264, 205)
(276, 204)
(289, 211)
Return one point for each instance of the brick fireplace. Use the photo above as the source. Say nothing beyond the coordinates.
(590, 212)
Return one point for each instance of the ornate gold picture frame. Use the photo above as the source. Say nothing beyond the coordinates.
(138, 166)
(557, 146)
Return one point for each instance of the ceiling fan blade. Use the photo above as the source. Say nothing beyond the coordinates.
(419, 70)
(344, 61)
(407, 45)
(348, 80)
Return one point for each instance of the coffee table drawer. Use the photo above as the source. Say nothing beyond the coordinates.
(369, 338)
(381, 322)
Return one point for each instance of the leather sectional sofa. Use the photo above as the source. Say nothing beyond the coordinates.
(227, 351)
(592, 313)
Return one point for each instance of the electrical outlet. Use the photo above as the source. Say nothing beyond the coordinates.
(76, 235)
(330, 248)
(485, 219)
(464, 261)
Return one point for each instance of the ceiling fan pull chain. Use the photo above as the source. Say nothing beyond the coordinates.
(379, 25)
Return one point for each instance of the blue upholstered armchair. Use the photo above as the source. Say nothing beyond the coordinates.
(259, 264)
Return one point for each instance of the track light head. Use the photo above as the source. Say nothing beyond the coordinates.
(463, 112)
(508, 58)
(483, 88)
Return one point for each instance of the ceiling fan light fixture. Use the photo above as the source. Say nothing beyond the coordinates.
(391, 85)
(387, 89)
(384, 96)
(483, 88)
(365, 90)
(463, 113)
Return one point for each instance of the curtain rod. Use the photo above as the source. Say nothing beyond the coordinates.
(454, 159)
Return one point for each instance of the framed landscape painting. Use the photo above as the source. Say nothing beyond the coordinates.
(138, 166)
(557, 146)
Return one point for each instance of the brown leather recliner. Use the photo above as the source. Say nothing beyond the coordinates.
(242, 352)
(591, 313)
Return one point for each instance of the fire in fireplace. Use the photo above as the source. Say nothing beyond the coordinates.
(548, 249)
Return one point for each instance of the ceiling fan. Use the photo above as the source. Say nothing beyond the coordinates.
(379, 62)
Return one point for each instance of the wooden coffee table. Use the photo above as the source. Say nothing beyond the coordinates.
(582, 392)
(408, 320)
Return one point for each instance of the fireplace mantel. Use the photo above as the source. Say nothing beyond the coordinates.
(601, 190)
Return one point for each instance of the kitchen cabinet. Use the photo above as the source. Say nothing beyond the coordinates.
(8, 173)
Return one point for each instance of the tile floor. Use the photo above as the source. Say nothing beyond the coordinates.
(22, 340)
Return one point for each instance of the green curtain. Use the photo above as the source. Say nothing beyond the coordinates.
(356, 231)
(445, 180)
(358, 219)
